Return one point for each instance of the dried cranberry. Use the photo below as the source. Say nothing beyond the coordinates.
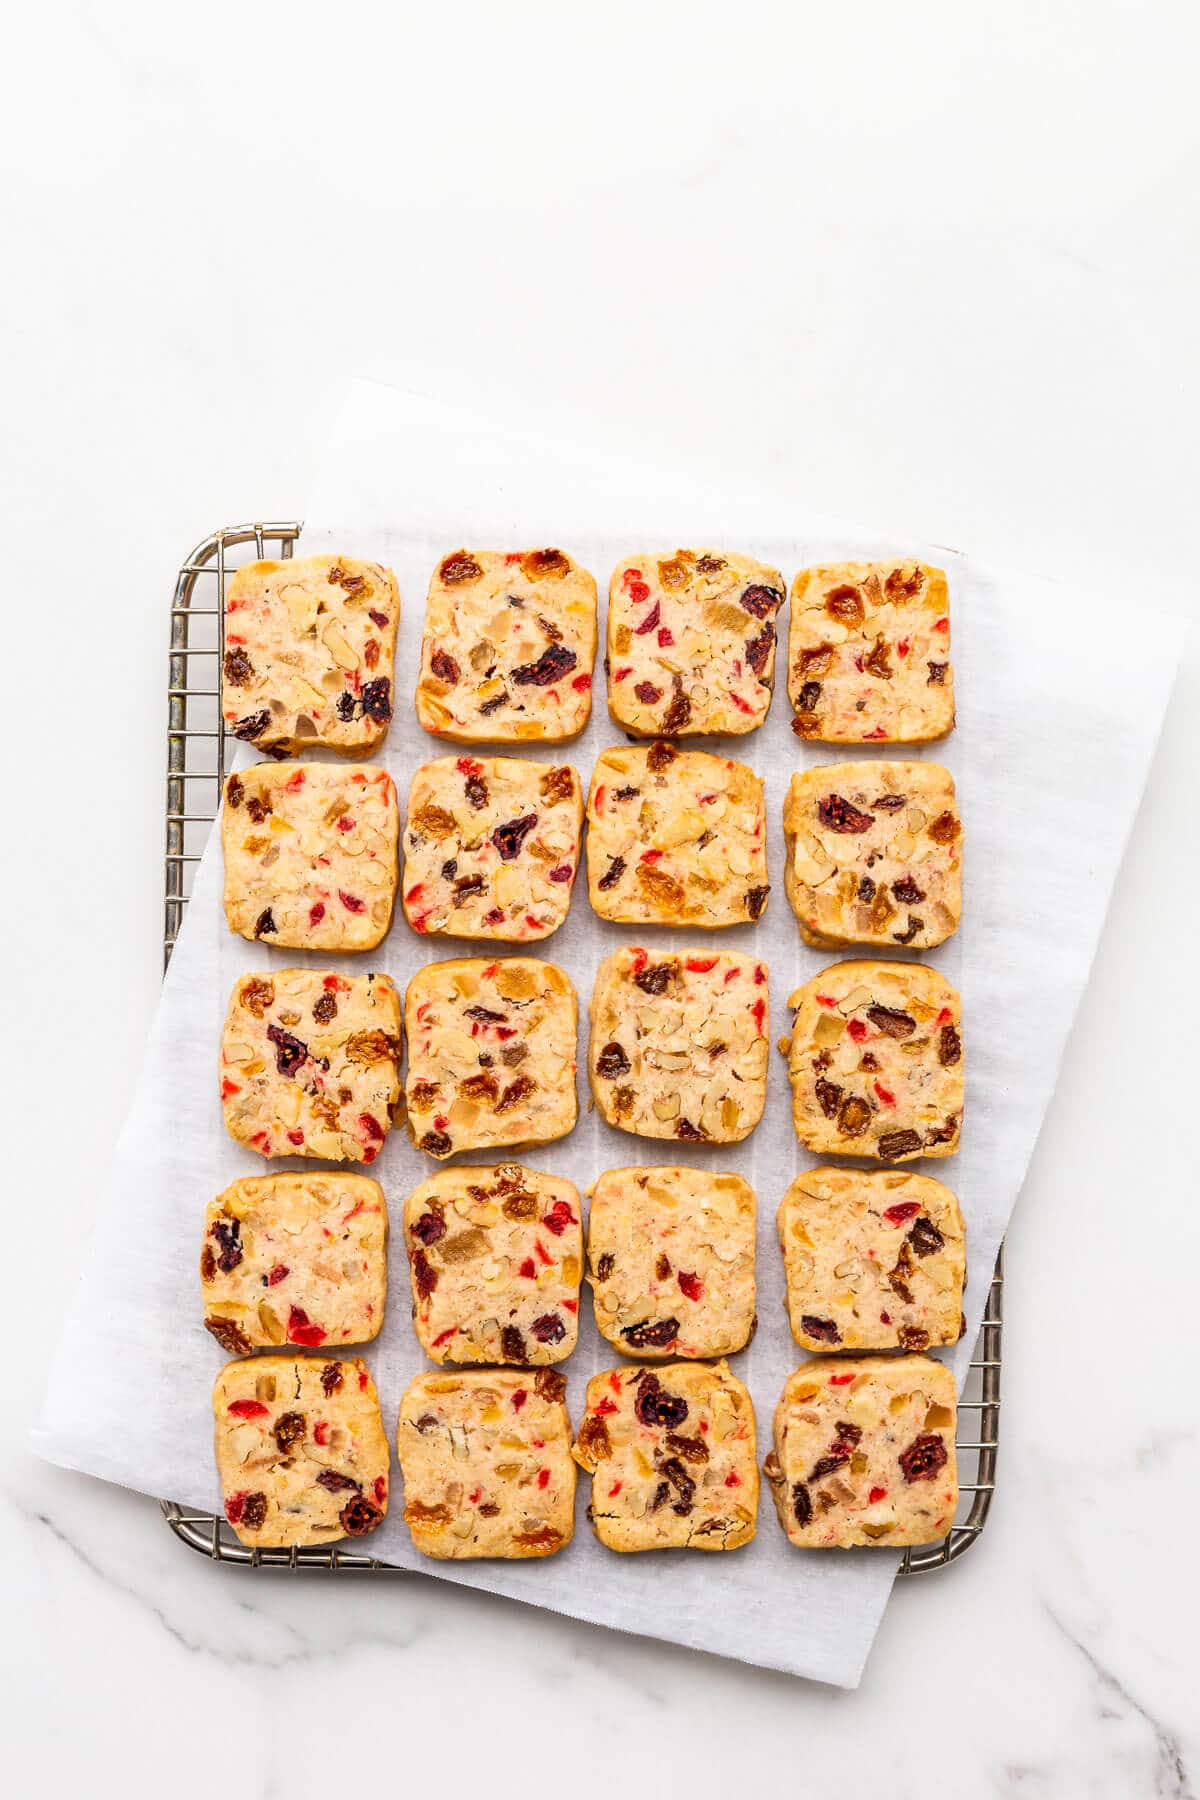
(893, 1022)
(925, 1237)
(824, 1330)
(924, 1458)
(756, 901)
(558, 1218)
(359, 1515)
(657, 978)
(429, 1228)
(611, 1062)
(651, 1335)
(949, 1046)
(802, 1504)
(265, 923)
(377, 618)
(425, 1275)
(289, 1429)
(333, 1483)
(549, 1329)
(252, 727)
(231, 1337)
(907, 892)
(509, 838)
(653, 1405)
(837, 814)
(228, 1233)
(332, 1378)
(760, 600)
(512, 1344)
(898, 1143)
(377, 699)
(443, 665)
(238, 667)
(290, 1053)
(854, 1116)
(554, 662)
(758, 649)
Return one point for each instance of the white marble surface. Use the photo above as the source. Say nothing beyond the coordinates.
(929, 266)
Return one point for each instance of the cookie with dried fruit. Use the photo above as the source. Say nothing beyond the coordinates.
(301, 1451)
(510, 639)
(310, 645)
(864, 1453)
(869, 653)
(486, 1460)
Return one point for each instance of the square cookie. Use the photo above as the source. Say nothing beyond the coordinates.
(679, 1044)
(297, 1259)
(672, 1459)
(301, 1451)
(486, 1460)
(491, 848)
(309, 649)
(876, 1061)
(874, 854)
(308, 1063)
(869, 653)
(864, 1453)
(676, 837)
(491, 1054)
(691, 643)
(873, 1261)
(509, 644)
(495, 1256)
(310, 855)
(671, 1260)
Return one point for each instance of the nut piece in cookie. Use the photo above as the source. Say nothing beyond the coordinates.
(875, 1061)
(491, 1054)
(308, 1063)
(309, 650)
(491, 847)
(679, 1044)
(874, 854)
(672, 1458)
(671, 1261)
(310, 855)
(864, 1453)
(874, 1261)
(495, 1257)
(509, 644)
(869, 654)
(486, 1460)
(300, 1448)
(298, 1259)
(691, 643)
(676, 837)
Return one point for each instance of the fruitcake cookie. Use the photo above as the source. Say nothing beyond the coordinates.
(491, 1054)
(864, 1452)
(301, 1451)
(491, 848)
(308, 1063)
(671, 1261)
(876, 1061)
(309, 648)
(486, 1460)
(869, 653)
(874, 854)
(672, 1459)
(508, 650)
(495, 1257)
(691, 643)
(297, 1259)
(310, 855)
(676, 837)
(873, 1261)
(679, 1044)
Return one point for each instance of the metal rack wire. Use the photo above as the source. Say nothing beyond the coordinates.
(195, 773)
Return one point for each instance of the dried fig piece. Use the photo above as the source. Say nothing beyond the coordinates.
(760, 600)
(509, 838)
(829, 1095)
(824, 1330)
(925, 1237)
(678, 714)
(654, 1406)
(925, 1457)
(231, 1337)
(837, 814)
(653, 1334)
(512, 1345)
(758, 649)
(554, 662)
(891, 1020)
(290, 1053)
(756, 901)
(949, 1046)
(898, 1143)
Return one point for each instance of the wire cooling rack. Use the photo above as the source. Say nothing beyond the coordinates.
(195, 774)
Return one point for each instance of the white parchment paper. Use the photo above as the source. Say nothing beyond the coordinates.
(1057, 725)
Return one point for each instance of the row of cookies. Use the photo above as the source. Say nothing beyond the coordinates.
(492, 848)
(863, 1453)
(678, 1048)
(510, 641)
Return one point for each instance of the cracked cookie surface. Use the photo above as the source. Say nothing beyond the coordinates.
(671, 1261)
(495, 1259)
(875, 1060)
(874, 1260)
(486, 1461)
(310, 855)
(676, 837)
(491, 1054)
(508, 649)
(874, 854)
(300, 1448)
(308, 1063)
(691, 643)
(671, 1453)
(309, 650)
(864, 1453)
(295, 1259)
(869, 653)
(679, 1046)
(491, 847)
